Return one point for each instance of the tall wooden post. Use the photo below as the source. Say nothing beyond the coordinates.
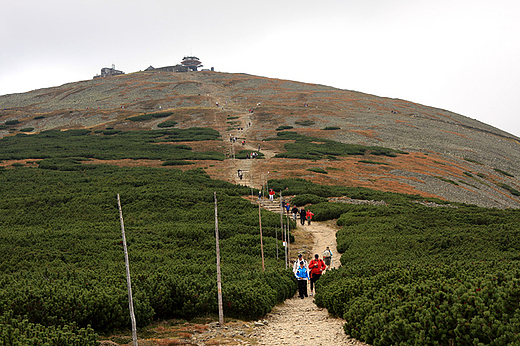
(219, 281)
(261, 240)
(281, 222)
(288, 235)
(285, 247)
(128, 282)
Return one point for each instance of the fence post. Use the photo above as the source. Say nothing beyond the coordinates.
(219, 280)
(129, 284)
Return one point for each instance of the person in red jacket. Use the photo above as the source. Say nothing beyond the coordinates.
(310, 214)
(271, 195)
(316, 267)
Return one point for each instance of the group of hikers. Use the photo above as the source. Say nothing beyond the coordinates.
(304, 215)
(311, 272)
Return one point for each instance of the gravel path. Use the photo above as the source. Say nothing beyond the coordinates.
(299, 321)
(294, 322)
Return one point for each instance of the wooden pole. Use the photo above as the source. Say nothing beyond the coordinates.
(288, 239)
(219, 280)
(128, 282)
(285, 247)
(261, 240)
(281, 222)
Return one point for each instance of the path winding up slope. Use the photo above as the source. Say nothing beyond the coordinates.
(299, 321)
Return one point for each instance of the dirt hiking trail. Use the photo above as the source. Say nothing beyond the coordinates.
(299, 321)
(296, 321)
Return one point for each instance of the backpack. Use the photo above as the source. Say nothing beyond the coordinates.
(327, 253)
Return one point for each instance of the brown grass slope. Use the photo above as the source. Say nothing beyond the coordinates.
(451, 156)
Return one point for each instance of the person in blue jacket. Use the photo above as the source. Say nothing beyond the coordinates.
(302, 275)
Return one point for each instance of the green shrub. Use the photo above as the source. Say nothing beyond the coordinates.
(497, 170)
(148, 116)
(406, 265)
(373, 162)
(176, 163)
(18, 331)
(11, 122)
(167, 123)
(61, 228)
(313, 148)
(284, 127)
(330, 128)
(27, 129)
(513, 191)
(317, 170)
(305, 122)
(307, 198)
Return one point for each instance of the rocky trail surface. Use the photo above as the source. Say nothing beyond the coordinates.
(294, 322)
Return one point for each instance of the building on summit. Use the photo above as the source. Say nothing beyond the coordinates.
(108, 72)
(188, 64)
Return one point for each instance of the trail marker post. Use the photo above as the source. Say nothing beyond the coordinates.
(128, 282)
(219, 280)
(261, 240)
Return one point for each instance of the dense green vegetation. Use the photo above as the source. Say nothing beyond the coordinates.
(167, 123)
(305, 122)
(313, 148)
(418, 275)
(112, 144)
(317, 170)
(149, 116)
(62, 260)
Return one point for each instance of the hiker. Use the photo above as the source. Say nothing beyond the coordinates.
(303, 216)
(297, 263)
(240, 174)
(316, 267)
(309, 216)
(327, 257)
(294, 211)
(302, 276)
(271, 195)
(287, 208)
(259, 195)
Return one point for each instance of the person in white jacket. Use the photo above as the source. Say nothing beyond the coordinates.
(296, 265)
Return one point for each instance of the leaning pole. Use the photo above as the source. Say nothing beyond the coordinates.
(219, 280)
(129, 284)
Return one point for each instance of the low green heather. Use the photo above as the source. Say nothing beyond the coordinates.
(109, 145)
(63, 262)
(313, 148)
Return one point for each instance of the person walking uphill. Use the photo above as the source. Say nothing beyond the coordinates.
(297, 264)
(327, 257)
(295, 212)
(303, 216)
(309, 215)
(317, 266)
(302, 276)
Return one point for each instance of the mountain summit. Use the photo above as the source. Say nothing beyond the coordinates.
(438, 153)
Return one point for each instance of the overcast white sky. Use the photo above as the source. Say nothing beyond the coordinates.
(459, 55)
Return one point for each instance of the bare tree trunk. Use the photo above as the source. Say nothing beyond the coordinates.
(129, 284)
(219, 281)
